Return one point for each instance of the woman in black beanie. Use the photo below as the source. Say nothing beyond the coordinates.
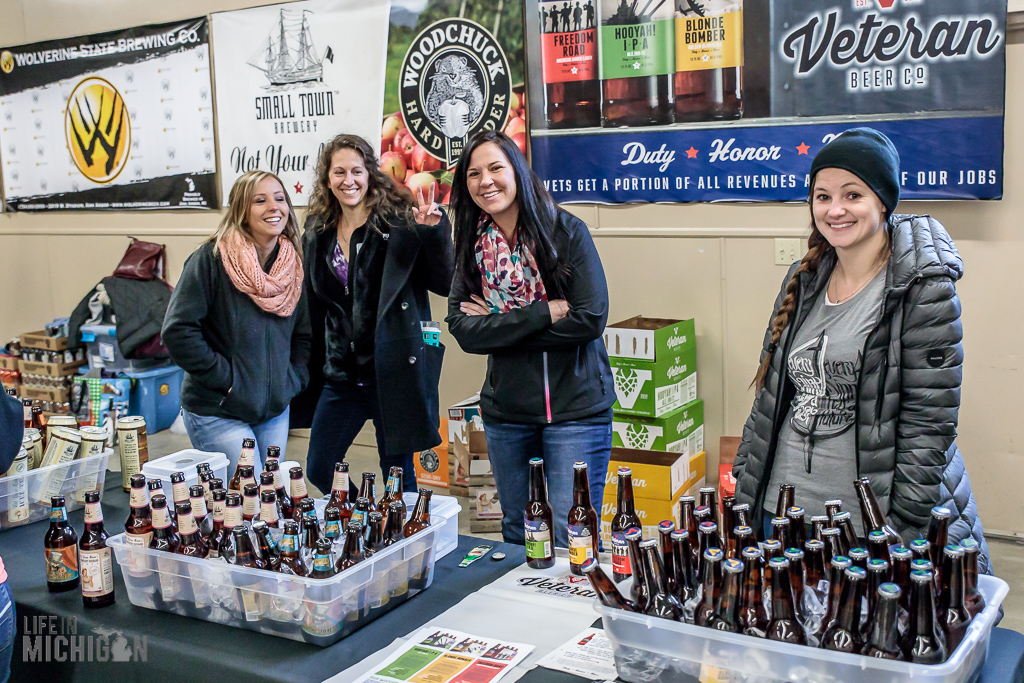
(861, 365)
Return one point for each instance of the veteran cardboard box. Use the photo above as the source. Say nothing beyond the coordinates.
(651, 512)
(657, 475)
(681, 431)
(654, 365)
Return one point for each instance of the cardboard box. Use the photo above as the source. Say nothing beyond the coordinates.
(52, 369)
(650, 512)
(44, 394)
(654, 365)
(472, 473)
(657, 475)
(484, 510)
(39, 340)
(9, 363)
(432, 464)
(681, 431)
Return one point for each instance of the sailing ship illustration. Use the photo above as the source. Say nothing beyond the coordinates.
(287, 55)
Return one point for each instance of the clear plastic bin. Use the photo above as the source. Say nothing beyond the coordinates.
(30, 492)
(185, 461)
(653, 650)
(317, 611)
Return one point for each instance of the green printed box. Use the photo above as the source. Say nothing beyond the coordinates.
(654, 365)
(681, 431)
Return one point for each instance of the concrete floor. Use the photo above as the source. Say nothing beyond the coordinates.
(1007, 556)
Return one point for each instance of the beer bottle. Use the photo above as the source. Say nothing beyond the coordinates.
(878, 573)
(298, 492)
(878, 545)
(727, 617)
(753, 617)
(900, 558)
(836, 579)
(818, 524)
(711, 585)
(636, 84)
(156, 487)
(953, 615)
(814, 564)
(783, 626)
(660, 602)
(273, 455)
(709, 61)
(165, 537)
(833, 543)
(843, 521)
(742, 537)
(204, 522)
(291, 560)
(307, 510)
(352, 553)
(638, 591)
(844, 634)
(205, 476)
(247, 478)
(268, 509)
(859, 557)
(250, 502)
(922, 565)
(923, 643)
(392, 490)
(179, 489)
(332, 525)
(216, 485)
(871, 512)
(393, 523)
(266, 547)
(375, 539)
(369, 489)
(540, 542)
(973, 599)
(787, 499)
(267, 484)
(665, 529)
(682, 563)
(938, 537)
(797, 528)
(624, 519)
(780, 531)
(247, 458)
(687, 522)
(191, 541)
(95, 560)
(284, 501)
(921, 549)
(709, 499)
(584, 525)
(310, 534)
(26, 404)
(728, 522)
(569, 65)
(884, 624)
(605, 588)
(232, 518)
(217, 532)
(37, 422)
(796, 577)
(771, 548)
(245, 554)
(741, 514)
(360, 511)
(833, 508)
(420, 519)
(707, 537)
(138, 528)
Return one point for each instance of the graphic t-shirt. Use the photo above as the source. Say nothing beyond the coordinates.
(817, 444)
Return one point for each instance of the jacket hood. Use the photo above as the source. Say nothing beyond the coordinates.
(921, 247)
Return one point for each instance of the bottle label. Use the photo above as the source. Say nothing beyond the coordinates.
(139, 498)
(93, 513)
(340, 482)
(298, 488)
(581, 544)
(247, 457)
(322, 619)
(249, 506)
(322, 563)
(630, 48)
(538, 539)
(358, 516)
(713, 41)
(198, 507)
(268, 513)
(392, 485)
(137, 562)
(180, 492)
(58, 514)
(620, 555)
(232, 517)
(186, 524)
(332, 529)
(568, 42)
(160, 518)
(61, 564)
(97, 572)
(289, 544)
(218, 510)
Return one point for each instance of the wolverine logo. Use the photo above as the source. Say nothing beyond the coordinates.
(98, 129)
(6, 62)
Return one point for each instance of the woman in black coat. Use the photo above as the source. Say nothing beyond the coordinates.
(371, 256)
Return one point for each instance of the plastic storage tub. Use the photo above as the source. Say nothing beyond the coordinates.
(156, 396)
(317, 611)
(32, 489)
(186, 461)
(653, 650)
(103, 351)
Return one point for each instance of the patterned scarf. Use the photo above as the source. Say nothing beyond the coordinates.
(510, 279)
(275, 292)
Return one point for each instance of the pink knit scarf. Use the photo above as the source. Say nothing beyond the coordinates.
(275, 292)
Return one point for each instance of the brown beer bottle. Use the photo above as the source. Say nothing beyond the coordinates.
(832, 539)
(638, 591)
(938, 537)
(267, 484)
(707, 537)
(284, 501)
(605, 588)
(247, 458)
(420, 519)
(250, 502)
(727, 617)
(232, 518)
(138, 528)
(624, 519)
(814, 564)
(741, 513)
(685, 584)
(297, 492)
(204, 521)
(179, 489)
(26, 404)
(923, 643)
(844, 522)
(921, 549)
(742, 537)
(191, 541)
(709, 61)
(369, 489)
(711, 585)
(332, 524)
(878, 573)
(701, 514)
(291, 560)
(728, 521)
(797, 528)
(156, 487)
(539, 524)
(818, 524)
(859, 557)
(796, 577)
(780, 531)
(783, 626)
(360, 512)
(836, 580)
(686, 519)
(392, 490)
(569, 64)
(660, 602)
(584, 525)
(871, 511)
(310, 535)
(393, 523)
(219, 503)
(753, 617)
(637, 64)
(833, 508)
(375, 539)
(953, 615)
(352, 553)
(884, 641)
(787, 499)
(266, 546)
(709, 499)
(900, 558)
(165, 536)
(339, 494)
(94, 557)
(268, 509)
(973, 599)
(844, 634)
(248, 478)
(245, 554)
(665, 529)
(878, 545)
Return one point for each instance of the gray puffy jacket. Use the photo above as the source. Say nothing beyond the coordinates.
(908, 393)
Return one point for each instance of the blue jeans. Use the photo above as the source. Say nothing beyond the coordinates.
(221, 435)
(343, 409)
(510, 447)
(7, 629)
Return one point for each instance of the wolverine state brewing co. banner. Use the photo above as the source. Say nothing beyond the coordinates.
(118, 120)
(292, 76)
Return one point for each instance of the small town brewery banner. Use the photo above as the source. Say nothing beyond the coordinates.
(292, 76)
(118, 120)
(711, 100)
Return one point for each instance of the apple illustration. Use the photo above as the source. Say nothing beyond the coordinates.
(388, 130)
(520, 140)
(516, 125)
(393, 164)
(423, 161)
(422, 182)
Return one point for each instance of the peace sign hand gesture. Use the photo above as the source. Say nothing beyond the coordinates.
(426, 212)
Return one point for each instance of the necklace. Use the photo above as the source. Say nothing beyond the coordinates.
(871, 276)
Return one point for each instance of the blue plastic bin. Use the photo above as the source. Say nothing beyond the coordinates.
(156, 396)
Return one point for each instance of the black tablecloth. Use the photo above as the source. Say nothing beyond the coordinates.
(181, 649)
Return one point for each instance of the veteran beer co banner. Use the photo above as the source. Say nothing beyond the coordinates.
(118, 120)
(290, 77)
(711, 100)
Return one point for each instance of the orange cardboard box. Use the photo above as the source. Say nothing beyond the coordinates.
(432, 464)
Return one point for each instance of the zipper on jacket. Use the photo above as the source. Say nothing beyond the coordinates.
(547, 387)
(266, 403)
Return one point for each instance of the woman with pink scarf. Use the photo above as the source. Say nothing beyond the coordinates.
(238, 325)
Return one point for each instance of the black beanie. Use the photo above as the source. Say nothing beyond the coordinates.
(870, 156)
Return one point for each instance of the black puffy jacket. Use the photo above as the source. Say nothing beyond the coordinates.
(908, 393)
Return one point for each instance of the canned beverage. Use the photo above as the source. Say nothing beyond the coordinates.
(69, 421)
(133, 447)
(94, 440)
(17, 489)
(62, 447)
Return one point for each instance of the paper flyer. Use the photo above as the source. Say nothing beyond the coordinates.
(442, 655)
(589, 655)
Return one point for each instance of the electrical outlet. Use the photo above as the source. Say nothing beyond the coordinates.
(787, 251)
